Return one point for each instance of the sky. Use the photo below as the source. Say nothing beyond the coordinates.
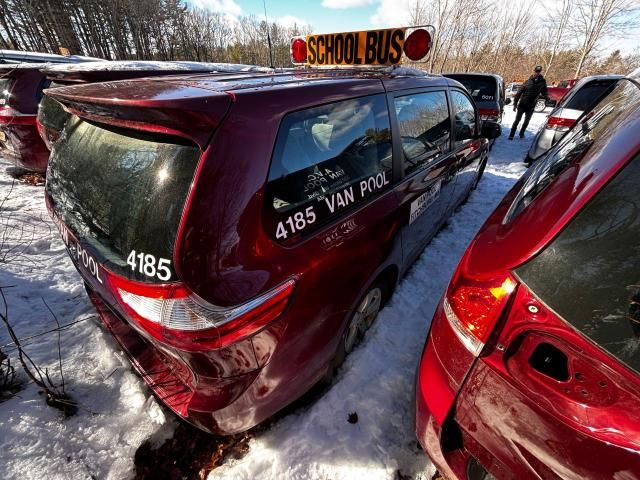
(347, 15)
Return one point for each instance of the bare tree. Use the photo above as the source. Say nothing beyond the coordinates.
(595, 19)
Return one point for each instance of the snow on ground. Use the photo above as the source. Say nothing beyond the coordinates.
(117, 412)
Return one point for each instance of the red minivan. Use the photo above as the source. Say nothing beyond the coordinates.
(239, 233)
(20, 92)
(531, 367)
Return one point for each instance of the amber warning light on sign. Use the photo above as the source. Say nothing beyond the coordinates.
(371, 47)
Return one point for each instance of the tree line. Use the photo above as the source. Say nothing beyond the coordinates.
(564, 36)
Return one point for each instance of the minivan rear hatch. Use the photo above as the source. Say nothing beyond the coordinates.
(120, 177)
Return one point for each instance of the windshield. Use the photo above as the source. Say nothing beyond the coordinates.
(121, 192)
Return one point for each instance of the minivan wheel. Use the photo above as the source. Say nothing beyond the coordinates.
(362, 318)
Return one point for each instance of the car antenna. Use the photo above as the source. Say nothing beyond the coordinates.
(264, 4)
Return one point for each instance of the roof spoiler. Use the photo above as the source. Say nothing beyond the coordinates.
(167, 107)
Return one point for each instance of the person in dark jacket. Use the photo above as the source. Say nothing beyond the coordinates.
(525, 100)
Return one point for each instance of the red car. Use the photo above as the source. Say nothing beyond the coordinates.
(238, 234)
(20, 91)
(52, 117)
(531, 367)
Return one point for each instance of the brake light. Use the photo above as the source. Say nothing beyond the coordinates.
(473, 307)
(560, 124)
(489, 114)
(298, 50)
(417, 44)
(9, 115)
(176, 316)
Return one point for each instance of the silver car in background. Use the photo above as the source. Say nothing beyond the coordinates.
(586, 93)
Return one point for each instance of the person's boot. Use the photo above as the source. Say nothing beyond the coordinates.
(521, 134)
(512, 133)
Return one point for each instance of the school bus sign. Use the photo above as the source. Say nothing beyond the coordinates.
(369, 47)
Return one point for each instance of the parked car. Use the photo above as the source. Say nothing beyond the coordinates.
(531, 367)
(487, 90)
(21, 88)
(238, 234)
(556, 94)
(582, 98)
(51, 115)
(512, 89)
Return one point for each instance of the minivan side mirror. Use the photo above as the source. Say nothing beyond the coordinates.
(507, 101)
(490, 130)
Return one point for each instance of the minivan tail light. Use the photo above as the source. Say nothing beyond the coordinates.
(560, 124)
(473, 307)
(174, 315)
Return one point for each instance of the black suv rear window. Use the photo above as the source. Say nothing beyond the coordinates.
(590, 274)
(326, 160)
(481, 89)
(122, 191)
(587, 96)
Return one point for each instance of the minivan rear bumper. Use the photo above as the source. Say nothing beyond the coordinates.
(206, 402)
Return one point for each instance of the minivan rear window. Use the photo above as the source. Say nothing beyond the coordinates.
(590, 274)
(587, 96)
(50, 112)
(121, 191)
(327, 159)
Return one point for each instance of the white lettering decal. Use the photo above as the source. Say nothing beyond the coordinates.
(420, 204)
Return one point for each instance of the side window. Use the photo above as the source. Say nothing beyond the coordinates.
(465, 118)
(326, 160)
(425, 128)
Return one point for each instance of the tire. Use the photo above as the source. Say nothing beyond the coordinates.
(360, 321)
(541, 104)
(483, 165)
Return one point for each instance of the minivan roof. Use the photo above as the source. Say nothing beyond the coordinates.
(148, 88)
(473, 74)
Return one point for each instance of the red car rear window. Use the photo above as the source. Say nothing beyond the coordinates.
(590, 274)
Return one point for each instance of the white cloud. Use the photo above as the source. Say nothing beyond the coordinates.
(228, 7)
(346, 3)
(392, 13)
(289, 21)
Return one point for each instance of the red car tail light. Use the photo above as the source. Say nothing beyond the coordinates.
(176, 316)
(10, 115)
(560, 124)
(473, 307)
